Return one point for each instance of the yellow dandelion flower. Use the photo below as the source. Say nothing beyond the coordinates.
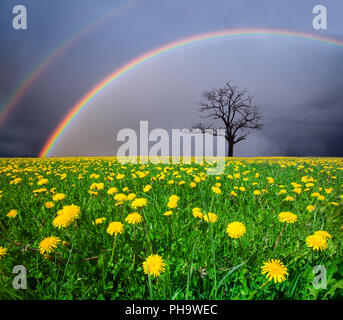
(93, 193)
(216, 190)
(120, 176)
(100, 186)
(168, 213)
(134, 218)
(323, 234)
(310, 208)
(316, 242)
(72, 211)
(193, 185)
(48, 204)
(154, 264)
(42, 181)
(16, 181)
(210, 217)
(115, 228)
(304, 179)
(257, 192)
(12, 214)
(197, 179)
(289, 198)
(147, 188)
(287, 217)
(131, 196)
(297, 190)
(3, 252)
(99, 220)
(235, 229)
(320, 198)
(296, 185)
(97, 186)
(112, 191)
(120, 198)
(172, 204)
(58, 196)
(39, 190)
(62, 221)
(139, 203)
(174, 198)
(270, 180)
(274, 270)
(48, 244)
(197, 213)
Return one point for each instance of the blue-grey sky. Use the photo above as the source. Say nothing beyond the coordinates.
(298, 84)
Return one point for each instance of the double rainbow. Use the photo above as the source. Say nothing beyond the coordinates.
(32, 76)
(92, 94)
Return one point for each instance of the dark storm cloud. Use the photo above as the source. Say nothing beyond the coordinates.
(311, 125)
(298, 138)
(27, 141)
(315, 131)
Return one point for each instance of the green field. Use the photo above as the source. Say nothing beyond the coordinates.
(197, 257)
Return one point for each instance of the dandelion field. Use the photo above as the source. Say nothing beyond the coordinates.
(92, 228)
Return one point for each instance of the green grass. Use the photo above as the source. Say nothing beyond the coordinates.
(202, 262)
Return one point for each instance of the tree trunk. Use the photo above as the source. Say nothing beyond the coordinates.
(230, 150)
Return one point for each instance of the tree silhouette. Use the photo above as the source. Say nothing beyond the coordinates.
(235, 110)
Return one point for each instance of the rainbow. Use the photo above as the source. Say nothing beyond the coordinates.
(32, 77)
(92, 94)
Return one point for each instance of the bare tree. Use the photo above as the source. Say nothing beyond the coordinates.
(235, 110)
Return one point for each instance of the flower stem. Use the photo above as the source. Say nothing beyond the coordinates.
(241, 248)
(211, 203)
(278, 240)
(252, 295)
(122, 214)
(146, 229)
(114, 244)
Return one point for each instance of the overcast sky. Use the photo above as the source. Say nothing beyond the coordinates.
(297, 84)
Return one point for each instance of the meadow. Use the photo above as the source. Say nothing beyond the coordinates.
(92, 228)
